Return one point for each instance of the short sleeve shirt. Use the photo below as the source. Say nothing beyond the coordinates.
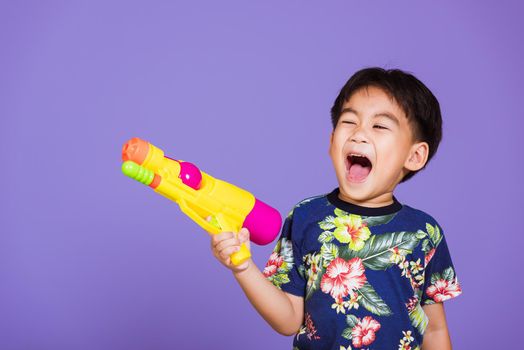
(364, 273)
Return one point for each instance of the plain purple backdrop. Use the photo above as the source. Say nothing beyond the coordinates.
(90, 259)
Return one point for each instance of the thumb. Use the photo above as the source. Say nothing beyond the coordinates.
(243, 235)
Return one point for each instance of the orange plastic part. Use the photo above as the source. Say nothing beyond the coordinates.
(135, 150)
(156, 181)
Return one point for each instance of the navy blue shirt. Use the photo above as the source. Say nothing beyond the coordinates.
(364, 273)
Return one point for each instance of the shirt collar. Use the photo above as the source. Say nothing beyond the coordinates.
(361, 210)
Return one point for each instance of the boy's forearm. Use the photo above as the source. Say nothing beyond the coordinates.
(436, 336)
(271, 303)
(437, 340)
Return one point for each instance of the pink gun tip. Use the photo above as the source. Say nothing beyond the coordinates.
(263, 223)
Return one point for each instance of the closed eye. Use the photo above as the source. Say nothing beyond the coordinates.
(347, 122)
(380, 127)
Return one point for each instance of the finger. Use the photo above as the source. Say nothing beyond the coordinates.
(226, 252)
(243, 235)
(216, 239)
(227, 243)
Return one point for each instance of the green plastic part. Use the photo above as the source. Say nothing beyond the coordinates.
(137, 172)
(213, 221)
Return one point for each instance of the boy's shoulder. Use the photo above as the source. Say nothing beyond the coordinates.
(310, 203)
(418, 215)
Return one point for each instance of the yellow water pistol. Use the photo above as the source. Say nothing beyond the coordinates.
(201, 196)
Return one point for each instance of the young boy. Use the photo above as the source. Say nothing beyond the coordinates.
(354, 268)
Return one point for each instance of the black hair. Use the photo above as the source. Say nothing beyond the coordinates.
(414, 98)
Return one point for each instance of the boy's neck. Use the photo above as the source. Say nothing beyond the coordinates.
(383, 200)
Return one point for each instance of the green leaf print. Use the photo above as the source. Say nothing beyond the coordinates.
(346, 333)
(372, 301)
(329, 252)
(377, 251)
(279, 279)
(378, 220)
(418, 293)
(285, 249)
(351, 320)
(448, 274)
(419, 319)
(313, 266)
(425, 246)
(327, 223)
(302, 271)
(315, 284)
(435, 277)
(326, 237)
(434, 234)
(430, 229)
(421, 234)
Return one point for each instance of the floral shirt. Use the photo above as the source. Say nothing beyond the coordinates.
(364, 273)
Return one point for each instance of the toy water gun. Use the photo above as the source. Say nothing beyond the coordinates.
(201, 196)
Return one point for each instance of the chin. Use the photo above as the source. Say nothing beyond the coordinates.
(356, 193)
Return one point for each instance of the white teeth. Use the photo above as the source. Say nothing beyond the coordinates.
(356, 155)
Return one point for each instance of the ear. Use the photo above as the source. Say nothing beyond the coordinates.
(418, 156)
(330, 142)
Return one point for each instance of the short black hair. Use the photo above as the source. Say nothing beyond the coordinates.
(414, 98)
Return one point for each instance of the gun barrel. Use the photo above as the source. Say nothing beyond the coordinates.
(135, 150)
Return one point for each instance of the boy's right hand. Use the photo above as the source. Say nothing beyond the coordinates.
(226, 243)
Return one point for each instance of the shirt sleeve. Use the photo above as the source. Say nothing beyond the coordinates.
(282, 268)
(440, 279)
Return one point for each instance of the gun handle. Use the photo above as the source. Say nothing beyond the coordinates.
(243, 254)
(223, 224)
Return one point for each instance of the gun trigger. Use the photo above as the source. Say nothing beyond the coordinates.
(224, 224)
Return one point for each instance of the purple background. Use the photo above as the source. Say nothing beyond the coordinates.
(90, 259)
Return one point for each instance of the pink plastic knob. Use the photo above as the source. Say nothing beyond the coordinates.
(190, 175)
(263, 223)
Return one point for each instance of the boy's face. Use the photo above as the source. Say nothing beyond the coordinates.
(372, 148)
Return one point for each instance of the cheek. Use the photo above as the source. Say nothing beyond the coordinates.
(390, 152)
(391, 162)
(335, 147)
(338, 141)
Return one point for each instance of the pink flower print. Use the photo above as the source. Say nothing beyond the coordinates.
(363, 333)
(274, 262)
(428, 256)
(412, 303)
(443, 290)
(343, 277)
(311, 331)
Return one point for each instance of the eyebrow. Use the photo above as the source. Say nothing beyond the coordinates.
(380, 114)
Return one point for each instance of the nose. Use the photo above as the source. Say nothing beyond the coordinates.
(359, 136)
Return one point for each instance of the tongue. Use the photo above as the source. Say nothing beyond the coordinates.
(358, 172)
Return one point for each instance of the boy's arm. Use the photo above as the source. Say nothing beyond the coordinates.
(436, 336)
(283, 311)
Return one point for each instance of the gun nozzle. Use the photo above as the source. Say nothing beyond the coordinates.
(135, 150)
(140, 174)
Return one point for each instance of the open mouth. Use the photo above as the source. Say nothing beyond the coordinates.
(359, 167)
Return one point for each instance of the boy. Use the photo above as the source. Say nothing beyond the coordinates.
(355, 269)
